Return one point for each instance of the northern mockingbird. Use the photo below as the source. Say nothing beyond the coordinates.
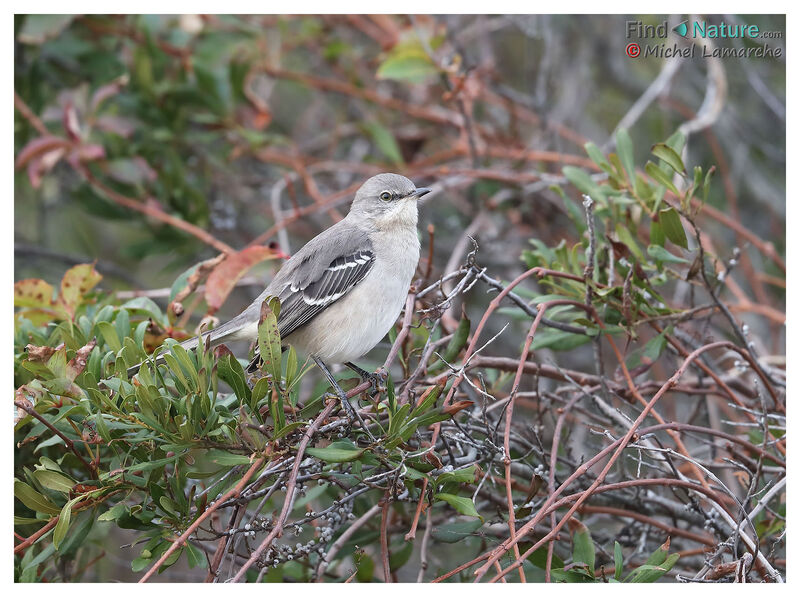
(343, 291)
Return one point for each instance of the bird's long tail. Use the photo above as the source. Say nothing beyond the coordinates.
(230, 330)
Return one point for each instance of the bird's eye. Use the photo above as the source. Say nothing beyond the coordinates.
(386, 196)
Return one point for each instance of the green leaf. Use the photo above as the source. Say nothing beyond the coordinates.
(398, 418)
(582, 544)
(385, 141)
(661, 254)
(618, 560)
(291, 366)
(625, 152)
(398, 557)
(109, 334)
(260, 390)
(29, 571)
(406, 68)
(79, 529)
(625, 236)
(455, 531)
(676, 141)
(269, 338)
(581, 180)
(276, 411)
(648, 573)
(670, 222)
(33, 499)
(181, 282)
(428, 418)
(185, 362)
(656, 234)
(53, 480)
(597, 156)
(62, 526)
(661, 177)
(365, 567)
(427, 401)
(660, 555)
(230, 371)
(407, 61)
(140, 563)
(24, 520)
(146, 304)
(539, 557)
(697, 183)
(334, 454)
(573, 575)
(666, 153)
(195, 557)
(462, 475)
(116, 512)
(654, 348)
(558, 340)
(391, 399)
(174, 556)
(462, 504)
(287, 429)
(707, 183)
(226, 458)
(147, 465)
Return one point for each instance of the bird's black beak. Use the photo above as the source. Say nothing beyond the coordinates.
(421, 191)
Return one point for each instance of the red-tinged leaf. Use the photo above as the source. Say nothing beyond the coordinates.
(452, 409)
(39, 354)
(40, 146)
(33, 293)
(78, 363)
(90, 153)
(70, 122)
(433, 459)
(42, 164)
(35, 173)
(221, 351)
(77, 281)
(27, 395)
(119, 125)
(106, 91)
(225, 275)
(582, 545)
(261, 119)
(660, 555)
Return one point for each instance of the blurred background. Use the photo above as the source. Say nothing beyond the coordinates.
(259, 128)
(151, 143)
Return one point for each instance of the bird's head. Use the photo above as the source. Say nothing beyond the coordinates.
(388, 200)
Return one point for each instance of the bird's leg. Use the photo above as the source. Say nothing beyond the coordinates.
(352, 414)
(375, 379)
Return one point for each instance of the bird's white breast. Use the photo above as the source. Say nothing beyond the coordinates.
(354, 324)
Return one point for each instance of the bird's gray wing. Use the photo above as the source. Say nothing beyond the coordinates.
(304, 297)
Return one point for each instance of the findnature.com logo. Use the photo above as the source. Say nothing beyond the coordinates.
(701, 29)
(697, 32)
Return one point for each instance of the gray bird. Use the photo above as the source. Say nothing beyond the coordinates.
(343, 291)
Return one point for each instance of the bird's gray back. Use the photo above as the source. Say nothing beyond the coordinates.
(309, 263)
